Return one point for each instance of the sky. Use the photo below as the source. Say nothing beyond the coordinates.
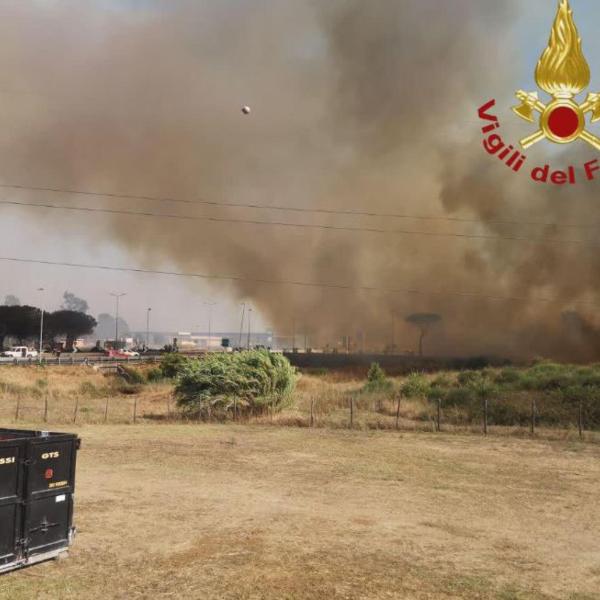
(179, 304)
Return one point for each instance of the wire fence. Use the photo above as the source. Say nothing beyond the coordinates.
(349, 413)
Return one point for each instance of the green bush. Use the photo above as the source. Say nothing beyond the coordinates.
(154, 375)
(415, 386)
(252, 380)
(377, 380)
(173, 364)
(132, 376)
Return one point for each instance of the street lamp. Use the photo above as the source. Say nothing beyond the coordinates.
(249, 326)
(148, 311)
(117, 297)
(41, 290)
(210, 307)
(243, 305)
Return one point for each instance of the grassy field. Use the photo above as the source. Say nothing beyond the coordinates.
(238, 511)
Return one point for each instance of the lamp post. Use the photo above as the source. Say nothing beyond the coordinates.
(148, 311)
(210, 307)
(41, 290)
(117, 297)
(249, 326)
(243, 305)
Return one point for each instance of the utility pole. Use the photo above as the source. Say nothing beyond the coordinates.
(41, 290)
(243, 305)
(148, 311)
(210, 307)
(117, 297)
(249, 326)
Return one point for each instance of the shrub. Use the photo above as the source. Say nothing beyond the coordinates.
(132, 376)
(155, 375)
(173, 364)
(253, 380)
(415, 386)
(377, 380)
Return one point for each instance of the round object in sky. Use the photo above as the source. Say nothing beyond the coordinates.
(246, 110)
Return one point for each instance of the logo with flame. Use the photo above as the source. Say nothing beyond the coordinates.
(563, 73)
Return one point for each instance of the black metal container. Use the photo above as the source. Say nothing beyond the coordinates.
(37, 485)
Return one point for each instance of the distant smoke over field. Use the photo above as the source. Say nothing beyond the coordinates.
(355, 104)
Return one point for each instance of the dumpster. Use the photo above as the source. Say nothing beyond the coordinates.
(37, 485)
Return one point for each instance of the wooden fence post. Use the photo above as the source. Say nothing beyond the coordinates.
(312, 412)
(485, 416)
(106, 411)
(351, 412)
(235, 408)
(439, 415)
(533, 415)
(46, 408)
(398, 411)
(580, 420)
(76, 410)
(135, 410)
(18, 411)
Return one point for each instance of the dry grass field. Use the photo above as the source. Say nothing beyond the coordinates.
(271, 510)
(249, 512)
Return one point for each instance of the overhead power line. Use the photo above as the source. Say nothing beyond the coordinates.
(297, 283)
(296, 209)
(129, 213)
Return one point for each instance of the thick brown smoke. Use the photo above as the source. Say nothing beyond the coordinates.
(357, 105)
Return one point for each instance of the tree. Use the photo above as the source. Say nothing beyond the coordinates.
(20, 322)
(72, 302)
(71, 324)
(11, 300)
(424, 322)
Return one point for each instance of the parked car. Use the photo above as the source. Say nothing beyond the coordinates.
(20, 352)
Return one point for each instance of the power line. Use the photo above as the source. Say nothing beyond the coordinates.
(542, 241)
(290, 282)
(296, 209)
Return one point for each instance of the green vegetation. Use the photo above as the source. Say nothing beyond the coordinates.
(377, 380)
(242, 383)
(173, 364)
(553, 392)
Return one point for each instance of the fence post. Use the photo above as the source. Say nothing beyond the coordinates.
(398, 411)
(46, 408)
(351, 412)
(18, 412)
(235, 409)
(439, 415)
(485, 416)
(312, 412)
(76, 411)
(106, 411)
(135, 400)
(580, 420)
(533, 414)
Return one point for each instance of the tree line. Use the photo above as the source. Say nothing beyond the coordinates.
(22, 323)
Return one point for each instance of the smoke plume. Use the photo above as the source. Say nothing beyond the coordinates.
(356, 105)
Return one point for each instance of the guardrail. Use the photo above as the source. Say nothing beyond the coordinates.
(77, 361)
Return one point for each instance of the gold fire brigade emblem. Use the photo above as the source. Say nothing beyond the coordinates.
(563, 72)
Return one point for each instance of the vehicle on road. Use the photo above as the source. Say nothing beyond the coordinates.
(20, 352)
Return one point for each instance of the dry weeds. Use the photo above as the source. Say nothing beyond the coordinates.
(240, 512)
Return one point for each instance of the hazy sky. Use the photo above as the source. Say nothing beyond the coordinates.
(178, 303)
